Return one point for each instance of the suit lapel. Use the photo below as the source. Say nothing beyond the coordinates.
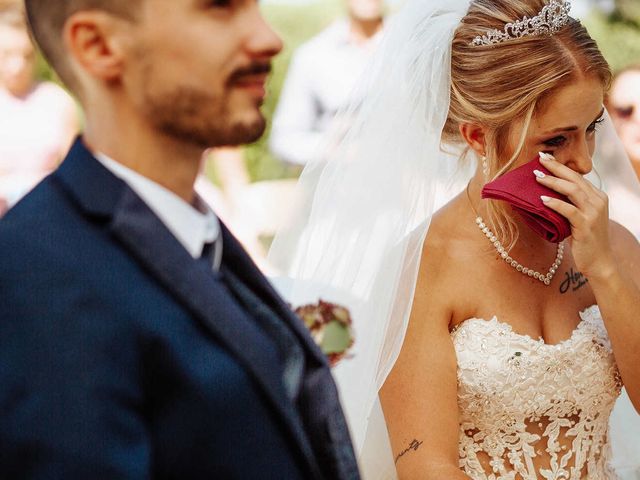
(323, 410)
(140, 231)
(235, 256)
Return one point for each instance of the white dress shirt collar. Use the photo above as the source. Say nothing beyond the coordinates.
(191, 227)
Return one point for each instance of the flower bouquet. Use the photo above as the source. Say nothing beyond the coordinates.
(330, 327)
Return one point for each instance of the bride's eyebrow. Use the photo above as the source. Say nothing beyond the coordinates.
(572, 128)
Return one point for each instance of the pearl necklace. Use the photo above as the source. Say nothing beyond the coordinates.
(546, 279)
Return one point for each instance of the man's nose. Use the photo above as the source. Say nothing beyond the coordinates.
(263, 41)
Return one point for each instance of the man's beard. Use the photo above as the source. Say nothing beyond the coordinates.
(199, 118)
(195, 115)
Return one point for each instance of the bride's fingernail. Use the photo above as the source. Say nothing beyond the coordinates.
(544, 198)
(539, 174)
(546, 156)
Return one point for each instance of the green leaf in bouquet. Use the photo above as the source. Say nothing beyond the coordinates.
(336, 338)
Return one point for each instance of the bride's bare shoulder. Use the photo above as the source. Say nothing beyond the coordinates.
(621, 237)
(450, 238)
(625, 247)
(450, 229)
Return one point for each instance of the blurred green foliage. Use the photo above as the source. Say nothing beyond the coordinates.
(43, 71)
(618, 33)
(628, 10)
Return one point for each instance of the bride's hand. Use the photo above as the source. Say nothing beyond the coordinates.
(588, 214)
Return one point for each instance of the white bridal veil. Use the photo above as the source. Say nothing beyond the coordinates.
(363, 208)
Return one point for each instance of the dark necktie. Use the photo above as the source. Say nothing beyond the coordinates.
(212, 253)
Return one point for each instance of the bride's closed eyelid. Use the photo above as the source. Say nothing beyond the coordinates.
(594, 126)
(560, 140)
(555, 141)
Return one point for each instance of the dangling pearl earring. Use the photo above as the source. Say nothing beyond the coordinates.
(485, 167)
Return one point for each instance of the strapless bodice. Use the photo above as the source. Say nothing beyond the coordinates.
(530, 410)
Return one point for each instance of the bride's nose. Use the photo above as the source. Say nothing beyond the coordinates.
(580, 160)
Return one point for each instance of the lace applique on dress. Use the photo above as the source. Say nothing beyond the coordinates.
(529, 410)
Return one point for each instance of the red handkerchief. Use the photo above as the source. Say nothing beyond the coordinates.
(521, 190)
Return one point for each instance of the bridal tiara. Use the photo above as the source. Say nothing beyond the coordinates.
(552, 18)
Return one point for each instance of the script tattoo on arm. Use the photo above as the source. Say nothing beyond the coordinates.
(573, 281)
(414, 445)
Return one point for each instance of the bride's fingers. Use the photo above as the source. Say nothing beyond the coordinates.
(558, 169)
(562, 171)
(576, 193)
(573, 184)
(567, 210)
(584, 220)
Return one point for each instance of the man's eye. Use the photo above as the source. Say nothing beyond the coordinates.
(555, 142)
(220, 3)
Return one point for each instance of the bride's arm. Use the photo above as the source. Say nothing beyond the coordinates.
(609, 256)
(419, 398)
(618, 295)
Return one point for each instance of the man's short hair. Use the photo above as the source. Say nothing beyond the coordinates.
(47, 18)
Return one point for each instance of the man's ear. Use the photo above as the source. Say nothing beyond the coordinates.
(474, 135)
(93, 39)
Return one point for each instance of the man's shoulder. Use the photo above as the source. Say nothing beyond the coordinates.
(53, 251)
(32, 212)
(41, 228)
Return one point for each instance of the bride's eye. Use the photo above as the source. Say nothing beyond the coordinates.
(594, 126)
(555, 141)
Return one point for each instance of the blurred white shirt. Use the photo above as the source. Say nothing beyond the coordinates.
(320, 80)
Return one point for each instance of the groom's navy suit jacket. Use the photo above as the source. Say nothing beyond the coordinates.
(122, 357)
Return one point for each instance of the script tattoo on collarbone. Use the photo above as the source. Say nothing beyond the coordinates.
(414, 445)
(573, 281)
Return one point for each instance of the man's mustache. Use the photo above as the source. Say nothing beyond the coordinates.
(256, 68)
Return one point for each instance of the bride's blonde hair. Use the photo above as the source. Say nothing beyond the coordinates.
(499, 84)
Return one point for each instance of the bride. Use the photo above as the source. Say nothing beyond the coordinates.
(467, 365)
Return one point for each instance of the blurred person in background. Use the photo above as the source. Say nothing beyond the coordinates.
(623, 103)
(38, 120)
(320, 80)
(624, 107)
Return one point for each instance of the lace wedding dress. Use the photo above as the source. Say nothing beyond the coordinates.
(530, 410)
